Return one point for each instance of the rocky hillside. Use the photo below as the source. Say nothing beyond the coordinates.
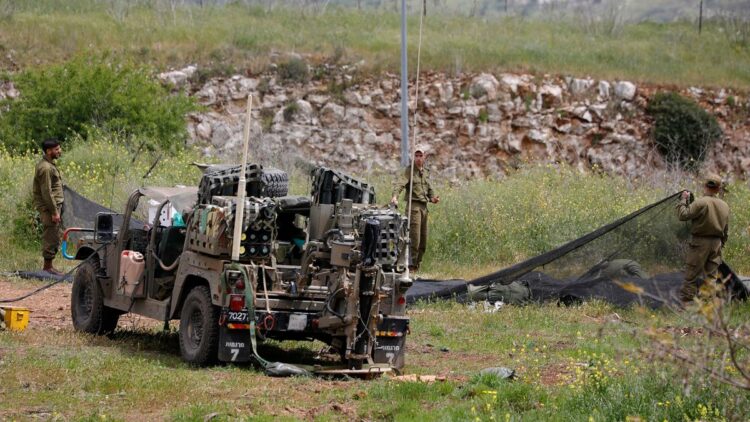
(476, 125)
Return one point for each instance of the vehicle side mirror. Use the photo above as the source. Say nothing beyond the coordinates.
(104, 229)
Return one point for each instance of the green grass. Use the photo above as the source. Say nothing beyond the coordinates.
(571, 364)
(234, 38)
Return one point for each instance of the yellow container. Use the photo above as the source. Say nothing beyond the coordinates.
(16, 318)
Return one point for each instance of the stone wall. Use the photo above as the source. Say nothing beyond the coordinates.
(475, 125)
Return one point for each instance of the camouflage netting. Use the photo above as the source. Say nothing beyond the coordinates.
(81, 212)
(646, 249)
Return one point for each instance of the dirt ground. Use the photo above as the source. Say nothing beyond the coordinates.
(50, 308)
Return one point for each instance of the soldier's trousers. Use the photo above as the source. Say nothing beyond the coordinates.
(418, 232)
(702, 261)
(52, 233)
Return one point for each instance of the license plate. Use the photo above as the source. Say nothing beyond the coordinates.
(297, 322)
(238, 317)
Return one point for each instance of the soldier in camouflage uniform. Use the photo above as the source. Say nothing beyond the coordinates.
(709, 217)
(48, 200)
(421, 194)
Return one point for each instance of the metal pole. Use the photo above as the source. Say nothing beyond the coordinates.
(239, 213)
(700, 19)
(404, 92)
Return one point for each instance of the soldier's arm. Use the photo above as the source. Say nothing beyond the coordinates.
(44, 178)
(689, 212)
(399, 186)
(725, 235)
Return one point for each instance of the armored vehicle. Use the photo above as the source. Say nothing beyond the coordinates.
(326, 267)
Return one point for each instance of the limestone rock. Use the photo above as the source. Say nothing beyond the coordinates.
(318, 100)
(484, 85)
(579, 87)
(331, 114)
(550, 96)
(625, 90)
(177, 78)
(511, 82)
(604, 90)
(240, 87)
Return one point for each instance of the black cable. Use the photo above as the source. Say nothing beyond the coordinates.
(62, 278)
(328, 303)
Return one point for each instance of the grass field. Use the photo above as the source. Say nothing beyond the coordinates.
(235, 38)
(588, 362)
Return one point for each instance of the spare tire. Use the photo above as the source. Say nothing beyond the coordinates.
(276, 182)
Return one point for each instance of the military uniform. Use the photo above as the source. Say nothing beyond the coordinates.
(421, 194)
(48, 200)
(709, 218)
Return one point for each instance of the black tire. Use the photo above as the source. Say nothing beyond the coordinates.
(276, 182)
(87, 302)
(199, 327)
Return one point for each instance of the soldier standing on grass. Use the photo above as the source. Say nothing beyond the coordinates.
(709, 217)
(48, 200)
(421, 194)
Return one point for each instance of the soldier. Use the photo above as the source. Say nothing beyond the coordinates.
(48, 200)
(709, 217)
(421, 194)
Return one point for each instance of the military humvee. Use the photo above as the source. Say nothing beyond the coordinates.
(327, 267)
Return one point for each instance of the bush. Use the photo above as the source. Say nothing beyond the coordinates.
(295, 70)
(75, 97)
(683, 131)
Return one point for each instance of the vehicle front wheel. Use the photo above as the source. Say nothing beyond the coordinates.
(199, 327)
(87, 303)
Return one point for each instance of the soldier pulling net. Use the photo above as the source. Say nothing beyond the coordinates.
(643, 251)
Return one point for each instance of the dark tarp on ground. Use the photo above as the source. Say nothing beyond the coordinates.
(652, 237)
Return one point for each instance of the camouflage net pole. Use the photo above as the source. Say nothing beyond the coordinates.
(239, 213)
(414, 142)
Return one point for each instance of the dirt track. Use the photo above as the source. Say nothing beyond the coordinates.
(51, 308)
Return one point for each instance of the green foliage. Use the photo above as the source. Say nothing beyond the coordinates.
(26, 226)
(683, 131)
(484, 115)
(74, 98)
(294, 70)
(290, 110)
(528, 213)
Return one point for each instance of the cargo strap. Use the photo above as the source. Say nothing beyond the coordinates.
(271, 368)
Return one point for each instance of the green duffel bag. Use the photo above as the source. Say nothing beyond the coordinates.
(515, 293)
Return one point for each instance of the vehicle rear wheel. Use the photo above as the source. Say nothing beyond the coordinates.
(199, 327)
(87, 302)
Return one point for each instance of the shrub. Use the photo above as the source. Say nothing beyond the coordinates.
(683, 131)
(26, 227)
(295, 70)
(290, 110)
(72, 98)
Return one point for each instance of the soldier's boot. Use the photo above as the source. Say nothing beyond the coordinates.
(50, 269)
